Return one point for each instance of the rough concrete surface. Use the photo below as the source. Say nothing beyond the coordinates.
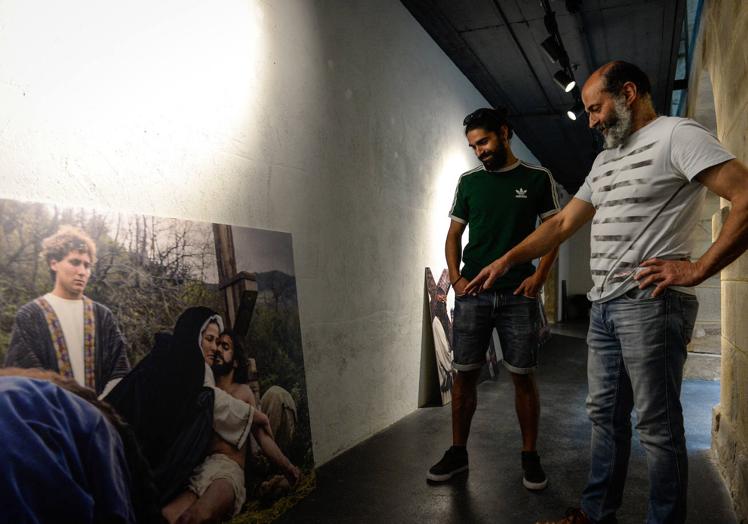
(721, 52)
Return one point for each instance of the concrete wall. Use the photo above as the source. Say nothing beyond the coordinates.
(723, 54)
(337, 121)
(573, 263)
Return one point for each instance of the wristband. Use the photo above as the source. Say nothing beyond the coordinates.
(456, 281)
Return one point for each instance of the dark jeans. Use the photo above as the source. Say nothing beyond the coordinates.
(637, 350)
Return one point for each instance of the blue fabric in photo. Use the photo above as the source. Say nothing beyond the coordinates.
(60, 459)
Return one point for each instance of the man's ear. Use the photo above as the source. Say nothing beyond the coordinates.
(505, 132)
(630, 91)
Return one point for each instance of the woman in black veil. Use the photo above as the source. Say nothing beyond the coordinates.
(169, 402)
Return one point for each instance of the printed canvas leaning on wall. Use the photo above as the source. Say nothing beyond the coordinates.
(172, 348)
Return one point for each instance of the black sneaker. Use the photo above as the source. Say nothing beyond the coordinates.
(533, 475)
(455, 461)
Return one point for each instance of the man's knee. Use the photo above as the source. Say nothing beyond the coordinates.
(193, 516)
(662, 433)
(524, 382)
(599, 413)
(464, 389)
(465, 382)
(214, 505)
(177, 506)
(467, 378)
(608, 420)
(280, 407)
(200, 514)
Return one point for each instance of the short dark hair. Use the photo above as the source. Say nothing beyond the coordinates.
(490, 119)
(241, 373)
(621, 72)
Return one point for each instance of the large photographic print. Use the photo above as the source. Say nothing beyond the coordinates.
(189, 330)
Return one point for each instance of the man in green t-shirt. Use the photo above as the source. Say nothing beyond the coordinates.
(501, 201)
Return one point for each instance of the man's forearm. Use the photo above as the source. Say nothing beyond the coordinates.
(540, 243)
(551, 233)
(546, 264)
(270, 448)
(453, 252)
(543, 240)
(731, 242)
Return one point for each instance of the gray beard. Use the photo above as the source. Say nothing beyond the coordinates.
(618, 133)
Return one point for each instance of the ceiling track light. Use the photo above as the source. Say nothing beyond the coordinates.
(564, 80)
(576, 111)
(552, 49)
(573, 6)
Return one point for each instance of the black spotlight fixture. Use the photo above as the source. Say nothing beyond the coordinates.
(573, 6)
(552, 49)
(576, 110)
(564, 80)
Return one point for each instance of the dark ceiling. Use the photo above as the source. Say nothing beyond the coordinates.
(496, 44)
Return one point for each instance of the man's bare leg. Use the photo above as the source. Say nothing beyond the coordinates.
(177, 506)
(464, 402)
(527, 405)
(216, 504)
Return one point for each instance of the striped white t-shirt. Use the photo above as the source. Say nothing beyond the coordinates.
(631, 184)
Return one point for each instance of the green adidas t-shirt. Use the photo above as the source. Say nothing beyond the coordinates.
(501, 207)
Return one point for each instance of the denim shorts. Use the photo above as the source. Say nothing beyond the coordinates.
(516, 319)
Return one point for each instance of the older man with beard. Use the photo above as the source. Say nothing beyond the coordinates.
(645, 192)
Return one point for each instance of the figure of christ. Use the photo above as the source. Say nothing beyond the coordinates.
(216, 489)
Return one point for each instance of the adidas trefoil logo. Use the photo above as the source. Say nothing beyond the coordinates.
(520, 193)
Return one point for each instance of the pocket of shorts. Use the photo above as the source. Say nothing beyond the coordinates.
(466, 314)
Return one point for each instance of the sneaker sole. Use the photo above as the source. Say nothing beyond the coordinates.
(446, 476)
(534, 486)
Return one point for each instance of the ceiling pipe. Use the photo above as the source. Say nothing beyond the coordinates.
(589, 52)
(522, 51)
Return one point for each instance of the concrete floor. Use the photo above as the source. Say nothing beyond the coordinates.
(383, 479)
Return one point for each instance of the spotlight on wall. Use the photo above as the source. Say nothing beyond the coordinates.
(564, 81)
(576, 110)
(552, 49)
